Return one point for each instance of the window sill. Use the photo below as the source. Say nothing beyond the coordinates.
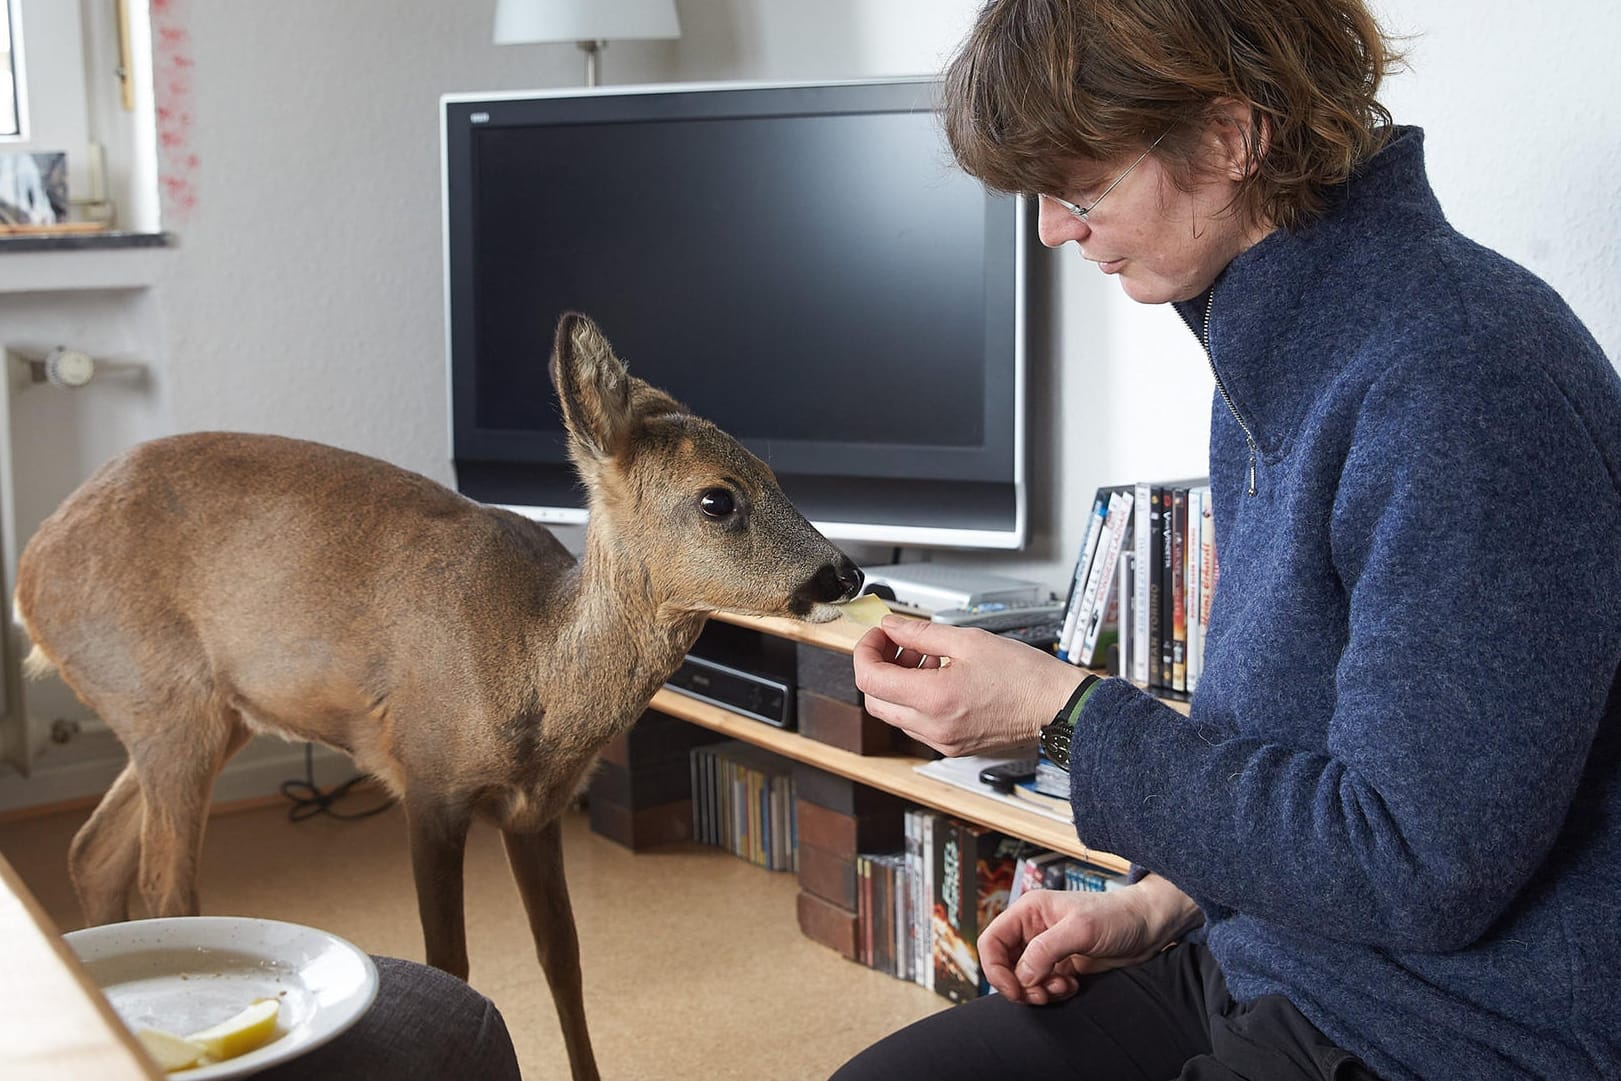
(41, 264)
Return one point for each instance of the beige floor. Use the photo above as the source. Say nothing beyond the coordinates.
(694, 964)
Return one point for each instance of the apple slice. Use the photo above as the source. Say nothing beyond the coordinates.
(171, 1052)
(247, 1031)
(868, 609)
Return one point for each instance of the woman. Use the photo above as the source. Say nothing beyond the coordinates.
(1388, 837)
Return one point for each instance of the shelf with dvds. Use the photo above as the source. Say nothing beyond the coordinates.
(893, 773)
(892, 858)
(1144, 579)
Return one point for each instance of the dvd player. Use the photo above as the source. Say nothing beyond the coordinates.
(749, 693)
(931, 587)
(740, 669)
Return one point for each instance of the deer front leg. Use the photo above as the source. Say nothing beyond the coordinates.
(438, 841)
(537, 864)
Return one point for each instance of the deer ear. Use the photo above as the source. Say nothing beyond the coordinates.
(593, 387)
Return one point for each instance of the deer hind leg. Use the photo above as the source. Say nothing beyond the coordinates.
(537, 864)
(106, 852)
(438, 841)
(176, 765)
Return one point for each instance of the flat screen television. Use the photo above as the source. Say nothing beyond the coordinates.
(801, 264)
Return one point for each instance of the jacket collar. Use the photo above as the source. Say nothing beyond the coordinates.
(1282, 310)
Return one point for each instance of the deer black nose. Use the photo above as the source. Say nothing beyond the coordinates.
(837, 581)
(850, 577)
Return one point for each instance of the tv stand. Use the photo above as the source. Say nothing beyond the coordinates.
(893, 773)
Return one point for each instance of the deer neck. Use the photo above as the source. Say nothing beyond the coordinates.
(631, 637)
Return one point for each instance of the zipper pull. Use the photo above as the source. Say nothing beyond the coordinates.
(1252, 470)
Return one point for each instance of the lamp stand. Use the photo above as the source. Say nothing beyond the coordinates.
(593, 61)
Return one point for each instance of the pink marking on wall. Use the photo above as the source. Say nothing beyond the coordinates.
(173, 73)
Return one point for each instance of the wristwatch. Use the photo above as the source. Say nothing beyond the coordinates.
(1055, 737)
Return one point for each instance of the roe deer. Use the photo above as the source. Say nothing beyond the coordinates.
(204, 587)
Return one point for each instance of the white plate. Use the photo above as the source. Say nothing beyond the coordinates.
(187, 973)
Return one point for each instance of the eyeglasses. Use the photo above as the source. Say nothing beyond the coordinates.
(1080, 213)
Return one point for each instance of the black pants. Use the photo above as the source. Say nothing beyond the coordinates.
(1168, 1018)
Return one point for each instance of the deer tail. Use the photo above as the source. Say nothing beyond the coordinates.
(36, 665)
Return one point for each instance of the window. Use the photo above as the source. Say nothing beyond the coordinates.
(10, 122)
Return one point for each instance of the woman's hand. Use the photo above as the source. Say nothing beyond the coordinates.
(961, 690)
(1036, 951)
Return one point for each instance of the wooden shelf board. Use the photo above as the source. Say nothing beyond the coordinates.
(893, 773)
(890, 773)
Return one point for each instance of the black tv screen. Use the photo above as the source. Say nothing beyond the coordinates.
(803, 265)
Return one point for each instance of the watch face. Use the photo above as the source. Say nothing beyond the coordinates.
(1055, 744)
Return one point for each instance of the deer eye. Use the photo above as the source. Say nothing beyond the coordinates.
(717, 503)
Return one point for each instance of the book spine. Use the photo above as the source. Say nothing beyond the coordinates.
(1127, 620)
(995, 856)
(1177, 569)
(954, 967)
(917, 914)
(757, 803)
(1114, 535)
(1207, 568)
(882, 906)
(695, 765)
(711, 796)
(1052, 874)
(900, 933)
(728, 823)
(1196, 499)
(793, 821)
(781, 856)
(927, 897)
(1083, 565)
(1077, 644)
(1162, 585)
(1142, 539)
(745, 810)
(864, 909)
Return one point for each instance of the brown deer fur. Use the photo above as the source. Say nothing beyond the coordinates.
(205, 587)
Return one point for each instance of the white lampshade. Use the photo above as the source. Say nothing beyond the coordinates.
(520, 21)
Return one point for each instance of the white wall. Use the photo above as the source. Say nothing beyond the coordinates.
(1522, 125)
(1523, 118)
(308, 298)
(305, 295)
(301, 180)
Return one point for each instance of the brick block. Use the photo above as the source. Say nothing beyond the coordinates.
(841, 794)
(828, 923)
(842, 725)
(657, 737)
(638, 787)
(827, 672)
(846, 835)
(827, 875)
(648, 827)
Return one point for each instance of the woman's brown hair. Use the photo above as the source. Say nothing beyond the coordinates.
(1041, 86)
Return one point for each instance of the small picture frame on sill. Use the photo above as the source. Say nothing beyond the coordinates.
(33, 190)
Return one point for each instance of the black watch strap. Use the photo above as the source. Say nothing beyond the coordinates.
(1059, 732)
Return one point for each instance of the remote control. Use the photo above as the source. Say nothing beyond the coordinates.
(1002, 778)
(1041, 635)
(1002, 615)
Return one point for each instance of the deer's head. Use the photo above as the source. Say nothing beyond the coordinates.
(679, 501)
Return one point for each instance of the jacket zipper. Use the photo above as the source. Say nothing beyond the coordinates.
(1221, 388)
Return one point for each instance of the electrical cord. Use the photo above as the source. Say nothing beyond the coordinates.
(309, 800)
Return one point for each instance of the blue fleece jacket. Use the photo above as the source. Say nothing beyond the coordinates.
(1398, 796)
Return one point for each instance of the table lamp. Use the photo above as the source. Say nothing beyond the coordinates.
(590, 23)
